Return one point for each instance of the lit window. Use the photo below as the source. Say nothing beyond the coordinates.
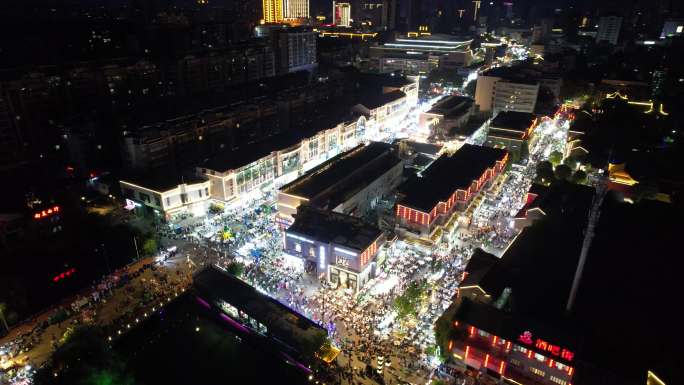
(680, 28)
(298, 247)
(537, 372)
(312, 252)
(558, 380)
(539, 357)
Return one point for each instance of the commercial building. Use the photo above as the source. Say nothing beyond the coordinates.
(295, 49)
(511, 130)
(296, 9)
(340, 247)
(246, 309)
(386, 109)
(506, 89)
(342, 14)
(350, 183)
(422, 54)
(235, 174)
(450, 112)
(273, 11)
(513, 319)
(166, 193)
(609, 29)
(434, 199)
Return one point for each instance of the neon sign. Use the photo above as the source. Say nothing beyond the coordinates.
(527, 338)
(63, 275)
(46, 213)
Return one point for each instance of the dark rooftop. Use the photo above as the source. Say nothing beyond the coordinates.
(372, 100)
(333, 171)
(162, 179)
(450, 173)
(622, 315)
(513, 120)
(328, 226)
(282, 322)
(452, 105)
(423, 148)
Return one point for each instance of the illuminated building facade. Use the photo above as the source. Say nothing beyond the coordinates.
(421, 54)
(342, 14)
(340, 248)
(273, 11)
(447, 187)
(296, 9)
(237, 174)
(514, 352)
(166, 194)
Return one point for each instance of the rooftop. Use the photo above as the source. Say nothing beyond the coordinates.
(450, 173)
(512, 123)
(373, 100)
(620, 293)
(282, 322)
(331, 227)
(333, 171)
(162, 179)
(451, 105)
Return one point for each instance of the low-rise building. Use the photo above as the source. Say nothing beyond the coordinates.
(511, 130)
(166, 193)
(451, 112)
(338, 247)
(433, 199)
(386, 110)
(350, 183)
(422, 54)
(234, 174)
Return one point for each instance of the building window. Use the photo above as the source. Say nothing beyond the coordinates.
(558, 380)
(539, 357)
(206, 191)
(312, 252)
(298, 247)
(168, 202)
(538, 372)
(157, 202)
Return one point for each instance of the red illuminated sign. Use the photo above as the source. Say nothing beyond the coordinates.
(527, 338)
(63, 275)
(46, 213)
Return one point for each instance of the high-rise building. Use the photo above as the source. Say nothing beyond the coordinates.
(273, 11)
(296, 9)
(342, 14)
(389, 14)
(609, 29)
(295, 49)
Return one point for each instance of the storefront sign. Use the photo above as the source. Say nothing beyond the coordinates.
(528, 339)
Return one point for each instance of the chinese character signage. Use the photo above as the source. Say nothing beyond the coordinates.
(528, 339)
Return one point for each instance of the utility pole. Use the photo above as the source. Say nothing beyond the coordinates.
(137, 252)
(477, 7)
(594, 215)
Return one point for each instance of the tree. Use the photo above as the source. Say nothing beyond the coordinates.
(84, 359)
(555, 158)
(236, 268)
(150, 247)
(469, 89)
(563, 172)
(579, 177)
(3, 309)
(407, 303)
(545, 172)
